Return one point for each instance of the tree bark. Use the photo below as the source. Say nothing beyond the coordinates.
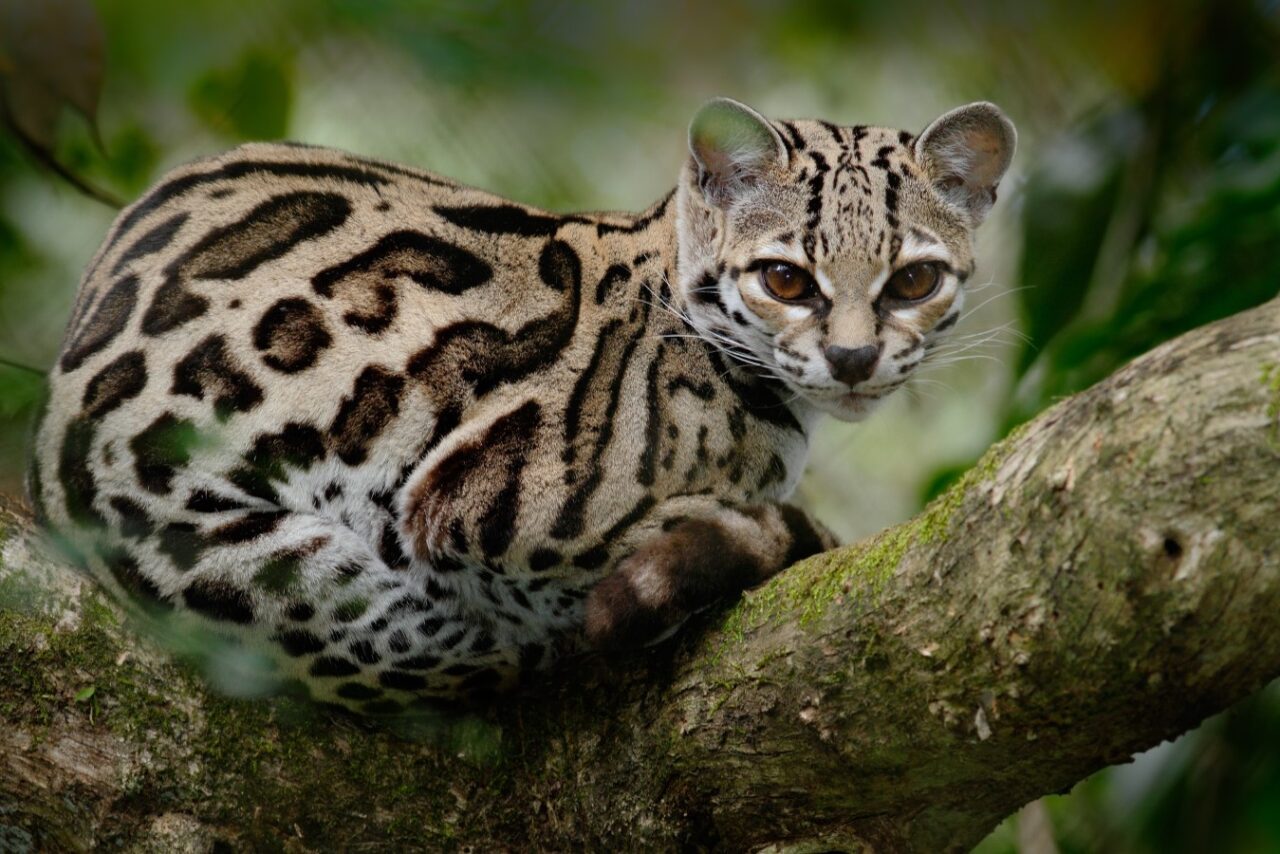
(1104, 579)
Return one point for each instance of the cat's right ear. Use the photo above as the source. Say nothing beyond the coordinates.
(733, 146)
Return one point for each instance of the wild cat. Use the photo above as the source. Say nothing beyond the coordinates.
(412, 440)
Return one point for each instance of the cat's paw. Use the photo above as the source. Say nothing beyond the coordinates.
(657, 587)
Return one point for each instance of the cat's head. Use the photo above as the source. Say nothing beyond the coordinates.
(832, 258)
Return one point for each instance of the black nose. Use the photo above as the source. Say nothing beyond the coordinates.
(852, 365)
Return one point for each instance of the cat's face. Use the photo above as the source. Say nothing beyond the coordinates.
(831, 258)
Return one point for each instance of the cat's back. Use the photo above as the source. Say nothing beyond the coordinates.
(269, 300)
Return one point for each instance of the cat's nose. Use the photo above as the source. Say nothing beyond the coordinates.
(852, 365)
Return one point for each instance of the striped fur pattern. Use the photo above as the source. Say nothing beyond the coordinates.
(412, 441)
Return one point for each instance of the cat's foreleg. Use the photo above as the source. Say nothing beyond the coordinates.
(693, 559)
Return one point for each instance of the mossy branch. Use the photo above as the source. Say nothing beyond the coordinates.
(1104, 579)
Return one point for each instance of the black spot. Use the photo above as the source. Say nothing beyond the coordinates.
(179, 186)
(298, 643)
(451, 641)
(707, 291)
(616, 275)
(559, 266)
(592, 558)
(350, 610)
(183, 544)
(398, 642)
(389, 548)
(501, 219)
(430, 262)
(836, 136)
(364, 652)
(124, 569)
(171, 306)
(419, 662)
(157, 238)
(249, 527)
(204, 501)
(431, 626)
(637, 224)
(160, 449)
(365, 413)
(796, 140)
(279, 572)
(219, 600)
(436, 591)
(108, 320)
(358, 691)
(348, 572)
(409, 603)
(134, 521)
(267, 232)
(296, 445)
(301, 612)
(75, 474)
(700, 390)
(122, 379)
(544, 559)
(327, 665)
(291, 335)
(210, 370)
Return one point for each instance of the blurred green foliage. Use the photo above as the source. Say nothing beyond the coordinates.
(217, 97)
(1145, 201)
(1160, 214)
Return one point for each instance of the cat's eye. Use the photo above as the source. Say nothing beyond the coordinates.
(787, 282)
(914, 282)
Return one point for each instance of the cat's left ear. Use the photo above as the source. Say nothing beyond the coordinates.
(965, 153)
(733, 146)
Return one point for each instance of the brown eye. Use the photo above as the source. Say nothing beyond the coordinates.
(788, 282)
(914, 282)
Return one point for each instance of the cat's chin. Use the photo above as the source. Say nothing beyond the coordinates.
(846, 407)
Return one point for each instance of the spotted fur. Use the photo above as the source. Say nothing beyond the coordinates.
(412, 440)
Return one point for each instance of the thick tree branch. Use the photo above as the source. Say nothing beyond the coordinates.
(1104, 579)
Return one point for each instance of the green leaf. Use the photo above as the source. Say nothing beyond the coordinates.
(84, 694)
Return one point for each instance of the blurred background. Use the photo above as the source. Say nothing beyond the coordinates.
(1144, 201)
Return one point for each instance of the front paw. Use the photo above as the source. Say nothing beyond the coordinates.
(617, 615)
(664, 581)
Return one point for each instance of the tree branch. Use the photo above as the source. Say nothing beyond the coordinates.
(1104, 579)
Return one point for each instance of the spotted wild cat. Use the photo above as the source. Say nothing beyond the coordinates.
(411, 439)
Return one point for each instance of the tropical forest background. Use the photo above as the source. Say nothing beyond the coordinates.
(1144, 201)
